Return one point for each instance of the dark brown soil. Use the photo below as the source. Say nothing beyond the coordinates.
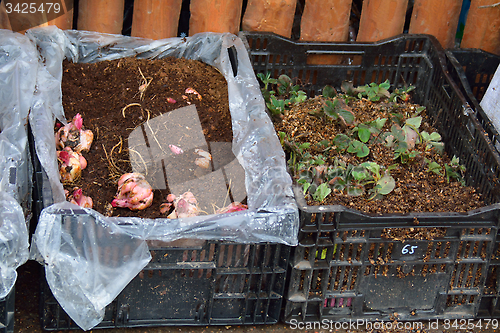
(400, 234)
(416, 190)
(101, 91)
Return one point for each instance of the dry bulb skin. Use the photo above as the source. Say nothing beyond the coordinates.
(204, 160)
(134, 192)
(73, 135)
(71, 141)
(78, 198)
(184, 205)
(232, 207)
(71, 165)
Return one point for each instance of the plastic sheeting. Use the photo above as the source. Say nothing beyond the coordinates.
(70, 240)
(18, 65)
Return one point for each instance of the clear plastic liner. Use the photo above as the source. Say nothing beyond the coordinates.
(18, 66)
(87, 261)
(81, 279)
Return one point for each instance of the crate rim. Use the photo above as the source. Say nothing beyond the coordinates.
(303, 206)
(432, 38)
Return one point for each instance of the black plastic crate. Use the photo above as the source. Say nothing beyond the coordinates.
(473, 70)
(187, 282)
(7, 310)
(209, 284)
(490, 305)
(477, 67)
(347, 266)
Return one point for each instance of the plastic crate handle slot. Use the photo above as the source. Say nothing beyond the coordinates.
(12, 176)
(233, 58)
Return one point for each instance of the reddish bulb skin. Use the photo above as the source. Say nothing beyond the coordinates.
(184, 205)
(79, 199)
(134, 192)
(71, 164)
(74, 136)
(232, 207)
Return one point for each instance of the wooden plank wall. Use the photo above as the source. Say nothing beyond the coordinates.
(307, 20)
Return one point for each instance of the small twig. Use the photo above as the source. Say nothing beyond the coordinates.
(143, 162)
(111, 153)
(127, 106)
(227, 193)
(214, 206)
(145, 84)
(490, 6)
(111, 166)
(118, 144)
(105, 152)
(114, 170)
(153, 134)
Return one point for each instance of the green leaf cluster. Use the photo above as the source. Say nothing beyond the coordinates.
(283, 96)
(349, 179)
(322, 174)
(373, 92)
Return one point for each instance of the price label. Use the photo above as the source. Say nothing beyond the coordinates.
(410, 250)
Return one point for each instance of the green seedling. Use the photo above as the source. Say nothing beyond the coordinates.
(455, 170)
(297, 151)
(365, 130)
(336, 109)
(341, 142)
(395, 138)
(405, 155)
(266, 80)
(344, 143)
(287, 89)
(305, 185)
(348, 88)
(403, 139)
(401, 93)
(325, 146)
(311, 178)
(322, 191)
(276, 106)
(354, 180)
(374, 92)
(346, 178)
(383, 185)
(284, 96)
(434, 167)
(432, 140)
(329, 92)
(358, 148)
